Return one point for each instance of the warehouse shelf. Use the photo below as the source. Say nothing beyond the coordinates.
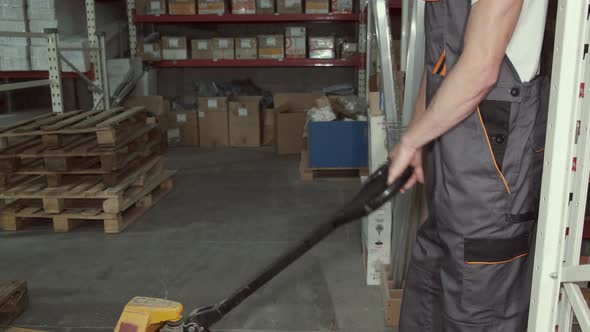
(40, 74)
(197, 63)
(251, 18)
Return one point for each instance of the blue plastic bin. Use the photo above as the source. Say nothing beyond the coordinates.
(338, 144)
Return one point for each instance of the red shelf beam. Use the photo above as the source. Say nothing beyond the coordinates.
(194, 63)
(251, 18)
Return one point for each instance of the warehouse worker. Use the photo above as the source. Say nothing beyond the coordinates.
(481, 128)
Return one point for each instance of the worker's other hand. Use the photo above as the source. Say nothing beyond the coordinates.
(402, 156)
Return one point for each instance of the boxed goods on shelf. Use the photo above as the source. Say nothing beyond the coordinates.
(244, 121)
(317, 6)
(201, 49)
(150, 51)
(14, 57)
(349, 50)
(271, 47)
(246, 48)
(290, 117)
(223, 48)
(211, 6)
(295, 43)
(289, 6)
(243, 6)
(342, 6)
(12, 10)
(213, 122)
(174, 48)
(13, 26)
(183, 128)
(182, 7)
(321, 48)
(150, 7)
(265, 6)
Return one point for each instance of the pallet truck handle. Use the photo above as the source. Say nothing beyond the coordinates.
(374, 193)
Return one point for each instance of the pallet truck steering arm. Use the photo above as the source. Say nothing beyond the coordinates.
(144, 314)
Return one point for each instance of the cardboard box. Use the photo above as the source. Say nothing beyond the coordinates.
(289, 6)
(150, 7)
(349, 50)
(150, 51)
(244, 122)
(392, 298)
(157, 105)
(174, 48)
(201, 49)
(223, 48)
(211, 7)
(290, 117)
(268, 126)
(376, 103)
(183, 128)
(321, 48)
(317, 6)
(212, 104)
(243, 6)
(213, 129)
(246, 48)
(271, 47)
(342, 6)
(182, 7)
(265, 6)
(295, 43)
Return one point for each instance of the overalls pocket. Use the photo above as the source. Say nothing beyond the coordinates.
(493, 272)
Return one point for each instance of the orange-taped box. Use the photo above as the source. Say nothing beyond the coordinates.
(265, 6)
(289, 6)
(182, 7)
(243, 7)
(317, 6)
(271, 47)
(342, 6)
(211, 7)
(295, 43)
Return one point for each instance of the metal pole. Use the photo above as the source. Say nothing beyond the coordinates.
(54, 71)
(405, 34)
(95, 52)
(132, 28)
(90, 84)
(103, 65)
(24, 85)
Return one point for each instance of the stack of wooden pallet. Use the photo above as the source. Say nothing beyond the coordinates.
(76, 166)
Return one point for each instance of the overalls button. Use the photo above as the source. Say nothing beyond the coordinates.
(515, 92)
(500, 139)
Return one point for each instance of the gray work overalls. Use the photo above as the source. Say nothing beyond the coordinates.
(472, 263)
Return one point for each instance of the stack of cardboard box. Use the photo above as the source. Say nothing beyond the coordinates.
(208, 7)
(174, 48)
(213, 122)
(271, 47)
(182, 7)
(295, 43)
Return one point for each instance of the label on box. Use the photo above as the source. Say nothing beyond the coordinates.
(212, 103)
(242, 111)
(292, 3)
(223, 43)
(148, 48)
(271, 41)
(201, 114)
(173, 42)
(265, 4)
(202, 45)
(181, 118)
(155, 5)
(245, 43)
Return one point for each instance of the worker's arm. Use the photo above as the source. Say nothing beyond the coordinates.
(489, 30)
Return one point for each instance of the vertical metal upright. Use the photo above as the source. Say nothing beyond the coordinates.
(132, 28)
(95, 52)
(54, 71)
(556, 296)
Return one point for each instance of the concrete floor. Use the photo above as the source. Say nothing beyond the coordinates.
(231, 212)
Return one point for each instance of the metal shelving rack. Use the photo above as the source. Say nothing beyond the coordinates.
(96, 77)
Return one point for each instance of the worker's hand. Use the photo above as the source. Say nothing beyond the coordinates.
(402, 156)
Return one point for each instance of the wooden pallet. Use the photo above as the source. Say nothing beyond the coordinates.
(18, 215)
(392, 298)
(107, 126)
(30, 156)
(13, 300)
(309, 174)
(87, 191)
